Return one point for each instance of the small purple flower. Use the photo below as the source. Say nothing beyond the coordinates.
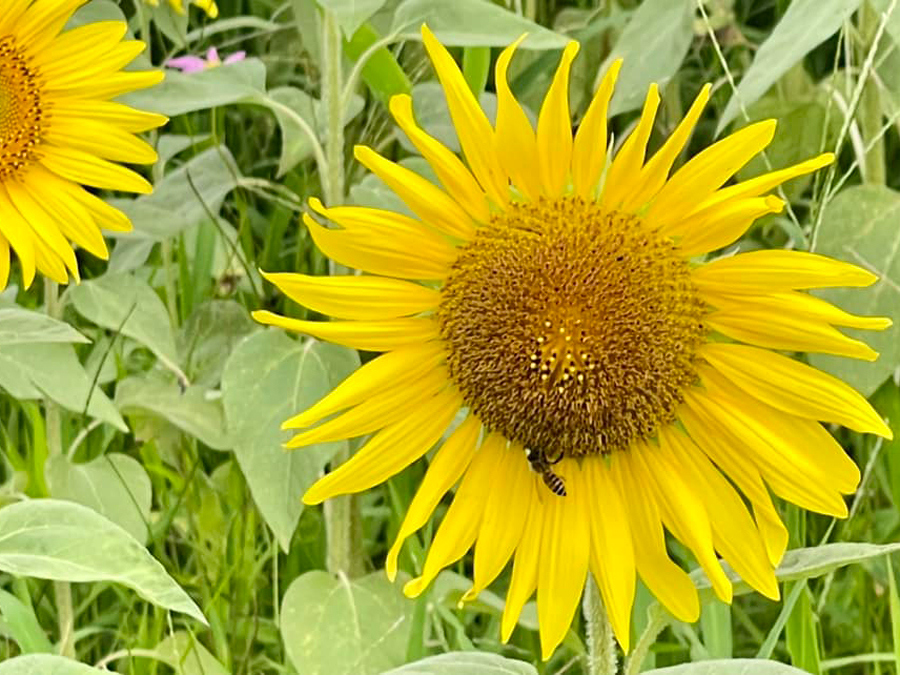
(194, 64)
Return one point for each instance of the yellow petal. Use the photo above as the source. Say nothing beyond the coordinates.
(106, 86)
(741, 470)
(735, 535)
(589, 149)
(516, 143)
(379, 411)
(612, 553)
(450, 170)
(476, 137)
(434, 206)
(18, 233)
(101, 140)
(82, 167)
(655, 172)
(460, 525)
(626, 166)
(777, 270)
(79, 47)
(382, 242)
(794, 387)
(768, 181)
(565, 550)
(707, 172)
(505, 510)
(525, 568)
(448, 465)
(666, 580)
(108, 112)
(371, 336)
(11, 12)
(682, 511)
(103, 214)
(390, 451)
(43, 21)
(356, 297)
(4, 262)
(719, 226)
(554, 129)
(388, 371)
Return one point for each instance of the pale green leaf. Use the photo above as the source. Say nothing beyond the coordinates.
(729, 667)
(351, 14)
(268, 379)
(64, 541)
(20, 326)
(23, 626)
(46, 664)
(860, 227)
(465, 663)
(345, 627)
(184, 653)
(113, 485)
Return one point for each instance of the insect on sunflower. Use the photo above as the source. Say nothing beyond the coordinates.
(61, 130)
(556, 294)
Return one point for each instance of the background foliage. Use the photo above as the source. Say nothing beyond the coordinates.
(173, 510)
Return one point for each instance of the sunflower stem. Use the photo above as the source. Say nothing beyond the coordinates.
(658, 620)
(342, 515)
(870, 111)
(62, 590)
(601, 642)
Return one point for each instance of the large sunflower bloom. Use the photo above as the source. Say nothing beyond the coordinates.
(615, 385)
(60, 130)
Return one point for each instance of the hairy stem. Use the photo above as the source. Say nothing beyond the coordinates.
(870, 113)
(601, 643)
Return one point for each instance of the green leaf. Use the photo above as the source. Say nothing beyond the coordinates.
(19, 326)
(465, 663)
(96, 10)
(729, 667)
(715, 622)
(804, 26)
(894, 603)
(64, 541)
(805, 563)
(209, 336)
(113, 485)
(268, 379)
(344, 627)
(182, 93)
(471, 23)
(860, 226)
(351, 14)
(382, 73)
(801, 636)
(45, 664)
(36, 371)
(125, 304)
(187, 656)
(191, 410)
(23, 626)
(652, 47)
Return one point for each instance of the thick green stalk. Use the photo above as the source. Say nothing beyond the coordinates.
(342, 515)
(601, 642)
(870, 112)
(62, 589)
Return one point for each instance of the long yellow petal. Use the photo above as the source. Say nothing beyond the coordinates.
(516, 142)
(682, 511)
(476, 137)
(777, 270)
(103, 214)
(356, 297)
(448, 465)
(101, 140)
(554, 129)
(86, 169)
(4, 262)
(450, 170)
(381, 410)
(390, 451)
(505, 510)
(740, 469)
(79, 47)
(43, 21)
(625, 168)
(525, 567)
(719, 226)
(589, 148)
(108, 112)
(11, 12)
(655, 172)
(434, 206)
(460, 525)
(612, 553)
(735, 535)
(565, 551)
(388, 371)
(666, 580)
(19, 235)
(707, 172)
(370, 336)
(106, 86)
(794, 387)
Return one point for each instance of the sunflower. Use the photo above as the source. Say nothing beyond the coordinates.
(208, 6)
(60, 130)
(613, 384)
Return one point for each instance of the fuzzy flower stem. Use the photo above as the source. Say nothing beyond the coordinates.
(601, 643)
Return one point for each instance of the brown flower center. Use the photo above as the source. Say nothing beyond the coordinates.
(571, 329)
(22, 117)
